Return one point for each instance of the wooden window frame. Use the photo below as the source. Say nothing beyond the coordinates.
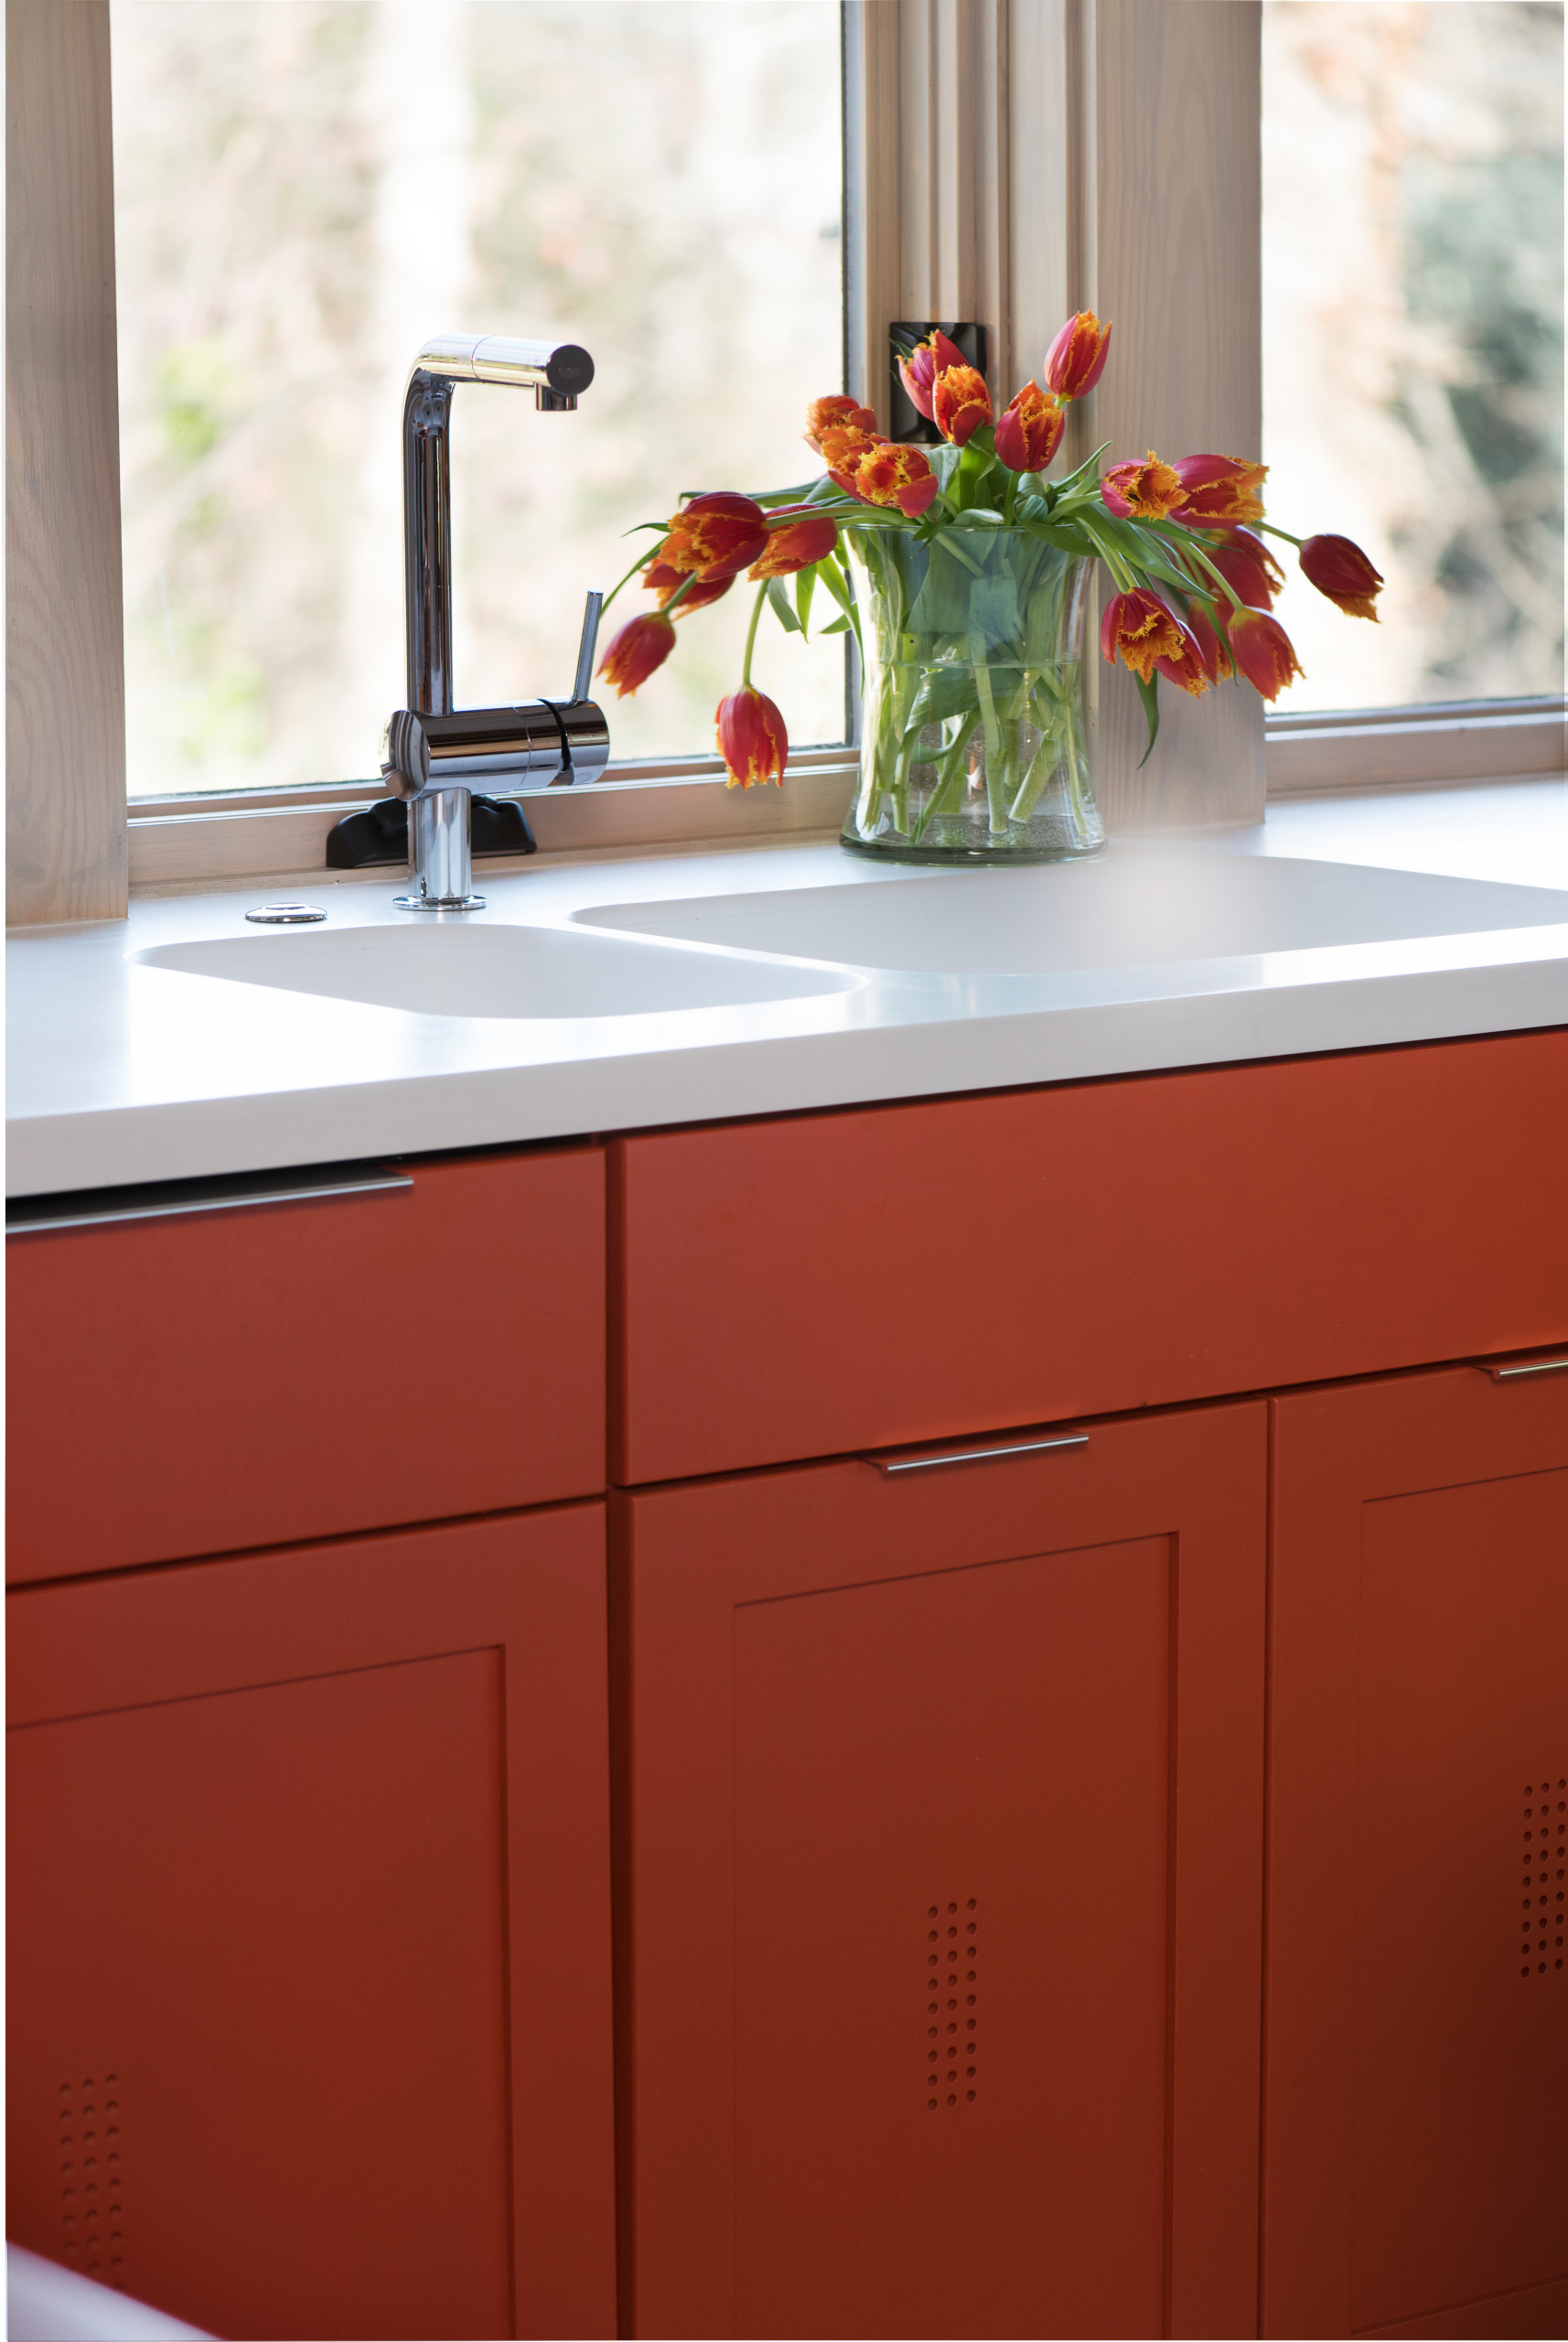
(1005, 160)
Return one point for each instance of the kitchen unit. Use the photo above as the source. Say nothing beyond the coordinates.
(867, 1651)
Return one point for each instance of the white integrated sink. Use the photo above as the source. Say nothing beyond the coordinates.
(493, 970)
(1132, 909)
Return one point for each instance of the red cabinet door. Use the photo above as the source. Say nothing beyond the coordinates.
(834, 1282)
(193, 1386)
(1417, 2044)
(310, 1916)
(939, 1792)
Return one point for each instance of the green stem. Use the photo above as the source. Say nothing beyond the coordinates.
(751, 637)
(950, 779)
(639, 564)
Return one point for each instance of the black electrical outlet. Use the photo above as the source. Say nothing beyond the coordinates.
(908, 423)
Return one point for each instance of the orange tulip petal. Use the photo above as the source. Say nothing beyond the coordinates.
(1142, 491)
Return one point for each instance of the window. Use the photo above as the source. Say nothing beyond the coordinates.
(1005, 160)
(305, 190)
(1412, 340)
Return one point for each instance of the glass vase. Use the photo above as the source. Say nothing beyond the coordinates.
(974, 746)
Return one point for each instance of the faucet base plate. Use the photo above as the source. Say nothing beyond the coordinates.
(438, 902)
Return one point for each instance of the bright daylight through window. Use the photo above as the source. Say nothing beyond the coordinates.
(1412, 336)
(305, 191)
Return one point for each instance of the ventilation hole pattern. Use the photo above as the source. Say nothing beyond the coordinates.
(92, 2227)
(951, 2003)
(1545, 1834)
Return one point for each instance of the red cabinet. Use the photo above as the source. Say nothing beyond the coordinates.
(940, 1879)
(1416, 2176)
(192, 1386)
(831, 1282)
(310, 1979)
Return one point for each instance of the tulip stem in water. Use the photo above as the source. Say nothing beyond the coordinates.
(751, 637)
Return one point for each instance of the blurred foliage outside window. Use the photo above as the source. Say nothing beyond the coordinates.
(1413, 337)
(305, 190)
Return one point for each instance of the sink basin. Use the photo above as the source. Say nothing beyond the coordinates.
(1128, 909)
(493, 970)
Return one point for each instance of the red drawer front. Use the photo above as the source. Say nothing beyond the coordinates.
(253, 1378)
(807, 1286)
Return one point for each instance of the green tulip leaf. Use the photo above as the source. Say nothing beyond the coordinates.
(778, 603)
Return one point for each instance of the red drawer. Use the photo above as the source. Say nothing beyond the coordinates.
(256, 1376)
(808, 1286)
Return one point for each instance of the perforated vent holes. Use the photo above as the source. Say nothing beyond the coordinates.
(1545, 1863)
(952, 2004)
(91, 2235)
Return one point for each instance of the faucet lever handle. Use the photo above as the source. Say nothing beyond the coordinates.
(584, 680)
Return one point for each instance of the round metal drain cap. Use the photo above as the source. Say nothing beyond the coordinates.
(286, 914)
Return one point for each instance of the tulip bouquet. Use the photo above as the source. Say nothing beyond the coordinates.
(972, 567)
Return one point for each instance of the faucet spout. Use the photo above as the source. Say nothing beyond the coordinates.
(432, 752)
(556, 372)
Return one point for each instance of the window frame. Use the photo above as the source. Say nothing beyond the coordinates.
(1004, 159)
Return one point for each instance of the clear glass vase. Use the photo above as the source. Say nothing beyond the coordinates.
(972, 745)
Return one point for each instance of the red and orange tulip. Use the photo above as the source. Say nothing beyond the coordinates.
(1262, 651)
(832, 414)
(1339, 567)
(1219, 490)
(1142, 491)
(716, 535)
(1139, 628)
(925, 363)
(796, 546)
(959, 402)
(844, 446)
(1201, 659)
(895, 473)
(1076, 359)
(664, 582)
(642, 645)
(1248, 567)
(751, 738)
(1030, 430)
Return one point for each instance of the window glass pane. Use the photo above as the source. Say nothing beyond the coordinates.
(1412, 336)
(305, 190)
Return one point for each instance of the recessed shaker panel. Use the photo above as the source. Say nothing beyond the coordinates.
(1462, 1862)
(249, 1377)
(952, 1801)
(266, 2008)
(1418, 2065)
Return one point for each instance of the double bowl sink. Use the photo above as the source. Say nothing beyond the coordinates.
(1128, 909)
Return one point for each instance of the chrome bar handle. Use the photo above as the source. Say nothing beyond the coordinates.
(1527, 1366)
(889, 1465)
(182, 1199)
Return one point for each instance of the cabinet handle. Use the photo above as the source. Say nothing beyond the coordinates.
(1530, 1366)
(978, 1455)
(105, 1207)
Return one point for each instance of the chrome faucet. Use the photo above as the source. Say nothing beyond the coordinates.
(432, 753)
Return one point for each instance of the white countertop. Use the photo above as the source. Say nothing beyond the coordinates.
(121, 1072)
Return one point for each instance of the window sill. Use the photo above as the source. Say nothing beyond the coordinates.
(178, 842)
(1442, 746)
